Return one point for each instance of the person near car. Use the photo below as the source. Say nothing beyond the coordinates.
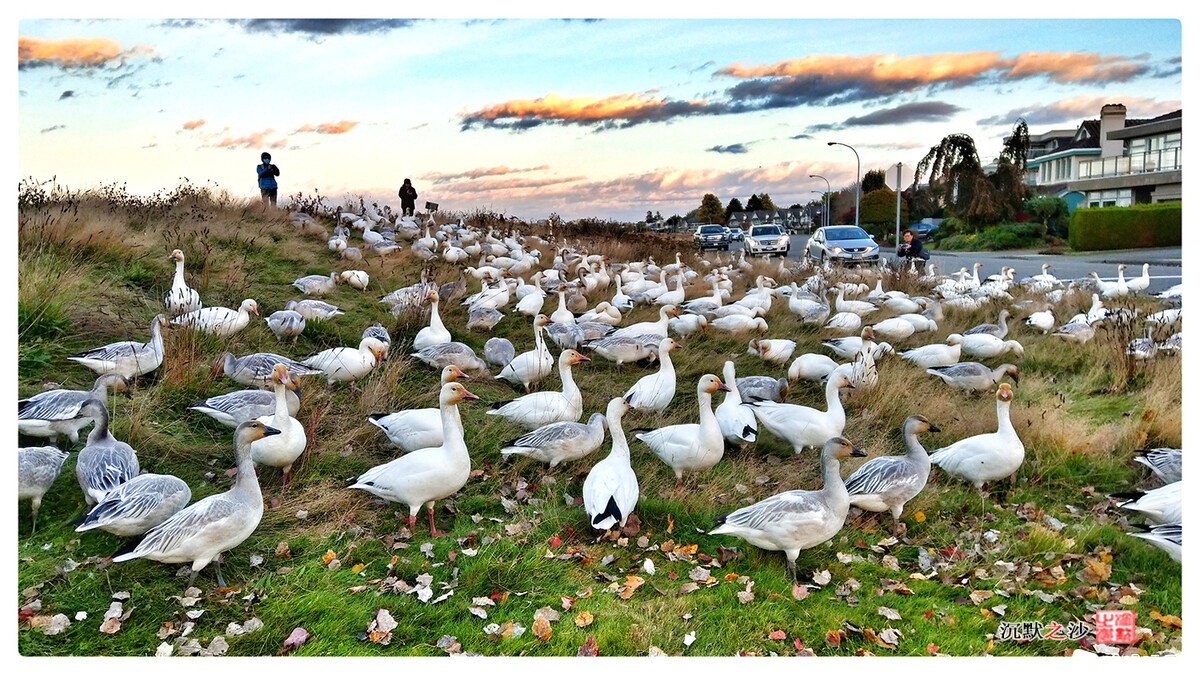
(266, 179)
(912, 249)
(408, 198)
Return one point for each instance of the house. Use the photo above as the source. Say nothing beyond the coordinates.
(1114, 161)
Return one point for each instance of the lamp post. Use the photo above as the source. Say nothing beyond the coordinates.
(857, 173)
(825, 221)
(898, 203)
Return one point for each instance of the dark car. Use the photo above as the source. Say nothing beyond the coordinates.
(845, 244)
(924, 230)
(711, 236)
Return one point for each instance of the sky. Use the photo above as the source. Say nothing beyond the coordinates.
(605, 118)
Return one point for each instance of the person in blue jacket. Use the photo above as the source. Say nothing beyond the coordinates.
(266, 179)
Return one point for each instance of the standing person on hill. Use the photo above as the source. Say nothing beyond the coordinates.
(913, 250)
(266, 179)
(408, 198)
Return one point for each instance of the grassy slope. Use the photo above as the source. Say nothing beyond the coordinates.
(92, 275)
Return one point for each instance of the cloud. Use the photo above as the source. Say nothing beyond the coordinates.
(478, 173)
(323, 27)
(1067, 67)
(327, 127)
(56, 127)
(921, 111)
(734, 149)
(73, 53)
(69, 93)
(255, 140)
(891, 146)
(193, 124)
(617, 111)
(799, 137)
(1079, 108)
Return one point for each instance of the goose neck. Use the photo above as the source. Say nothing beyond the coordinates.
(179, 272)
(100, 428)
(707, 416)
(913, 448)
(620, 445)
(247, 477)
(570, 389)
(834, 487)
(452, 429)
(1003, 421)
(281, 407)
(833, 402)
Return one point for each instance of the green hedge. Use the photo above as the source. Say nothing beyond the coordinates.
(995, 238)
(1138, 226)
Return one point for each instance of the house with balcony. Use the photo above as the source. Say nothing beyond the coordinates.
(1113, 161)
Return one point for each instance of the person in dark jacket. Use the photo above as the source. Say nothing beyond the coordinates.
(408, 198)
(912, 249)
(266, 179)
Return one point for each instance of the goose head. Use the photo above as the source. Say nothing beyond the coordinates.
(667, 345)
(453, 374)
(840, 448)
(868, 333)
(841, 380)
(711, 384)
(954, 339)
(248, 432)
(617, 407)
(916, 424)
(570, 357)
(1016, 347)
(118, 384)
(294, 385)
(454, 393)
(222, 363)
(1004, 393)
(177, 255)
(431, 297)
(1013, 372)
(669, 310)
(249, 305)
(279, 374)
(542, 321)
(760, 323)
(755, 347)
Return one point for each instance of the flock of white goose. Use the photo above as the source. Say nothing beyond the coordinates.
(435, 462)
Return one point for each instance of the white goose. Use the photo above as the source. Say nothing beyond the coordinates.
(985, 457)
(739, 323)
(805, 427)
(622, 350)
(219, 321)
(357, 279)
(1167, 537)
(654, 392)
(650, 327)
(347, 364)
(773, 351)
(887, 483)
(814, 367)
(200, 533)
(126, 358)
(562, 314)
(531, 303)
(988, 346)
(737, 422)
(690, 447)
(104, 463)
(435, 333)
(844, 322)
(56, 412)
(847, 347)
(797, 519)
(138, 505)
(528, 368)
(895, 328)
(313, 310)
(545, 407)
(429, 474)
(1043, 320)
(37, 469)
(1139, 284)
(858, 307)
(932, 356)
(181, 299)
(688, 324)
(248, 404)
(1166, 463)
(418, 428)
(610, 491)
(283, 449)
(559, 442)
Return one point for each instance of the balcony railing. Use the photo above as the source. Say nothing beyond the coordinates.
(1170, 159)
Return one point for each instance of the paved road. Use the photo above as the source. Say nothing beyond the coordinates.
(1166, 264)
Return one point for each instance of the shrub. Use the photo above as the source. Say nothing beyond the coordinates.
(1138, 226)
(996, 238)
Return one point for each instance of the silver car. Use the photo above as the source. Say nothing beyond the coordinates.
(845, 244)
(767, 240)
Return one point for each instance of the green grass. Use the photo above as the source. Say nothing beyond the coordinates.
(1068, 411)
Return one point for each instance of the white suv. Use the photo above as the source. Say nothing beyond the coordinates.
(767, 240)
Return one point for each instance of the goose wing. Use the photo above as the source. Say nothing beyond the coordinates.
(60, 404)
(882, 474)
(794, 507)
(210, 513)
(550, 434)
(104, 469)
(111, 352)
(133, 500)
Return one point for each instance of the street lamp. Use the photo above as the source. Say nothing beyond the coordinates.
(827, 189)
(857, 173)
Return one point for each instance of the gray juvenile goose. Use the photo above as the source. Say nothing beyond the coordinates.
(104, 463)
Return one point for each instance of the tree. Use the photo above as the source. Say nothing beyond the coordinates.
(877, 211)
(1051, 212)
(1009, 179)
(767, 204)
(649, 216)
(735, 206)
(710, 210)
(874, 180)
(971, 195)
(753, 204)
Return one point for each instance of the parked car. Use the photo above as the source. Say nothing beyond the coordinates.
(711, 236)
(924, 230)
(737, 234)
(844, 244)
(767, 240)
